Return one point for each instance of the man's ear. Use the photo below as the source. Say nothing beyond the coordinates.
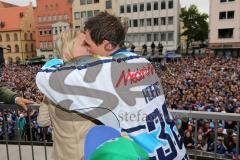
(108, 46)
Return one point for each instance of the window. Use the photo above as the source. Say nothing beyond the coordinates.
(222, 15)
(9, 49)
(15, 37)
(230, 14)
(155, 5)
(170, 20)
(89, 1)
(56, 30)
(44, 19)
(65, 16)
(49, 18)
(7, 37)
(82, 2)
(226, 15)
(16, 48)
(32, 47)
(41, 45)
(225, 33)
(170, 4)
(60, 17)
(83, 14)
(31, 36)
(49, 31)
(45, 32)
(121, 9)
(44, 44)
(96, 12)
(135, 8)
(149, 37)
(130, 23)
(155, 21)
(141, 7)
(148, 6)
(108, 4)
(163, 36)
(170, 36)
(39, 19)
(163, 20)
(141, 22)
(128, 8)
(26, 47)
(96, 1)
(25, 36)
(155, 37)
(40, 32)
(135, 23)
(0, 38)
(149, 21)
(163, 5)
(76, 15)
(135, 38)
(50, 45)
(54, 18)
(90, 14)
(222, 1)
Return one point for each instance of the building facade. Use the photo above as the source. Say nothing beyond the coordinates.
(224, 25)
(47, 15)
(148, 20)
(17, 33)
(83, 9)
(58, 27)
(152, 21)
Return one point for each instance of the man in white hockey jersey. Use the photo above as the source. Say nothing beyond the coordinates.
(116, 87)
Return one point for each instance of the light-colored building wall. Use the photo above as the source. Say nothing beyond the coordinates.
(157, 24)
(166, 33)
(230, 44)
(58, 28)
(19, 39)
(83, 9)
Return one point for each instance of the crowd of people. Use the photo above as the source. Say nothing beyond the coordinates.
(204, 84)
(193, 83)
(21, 79)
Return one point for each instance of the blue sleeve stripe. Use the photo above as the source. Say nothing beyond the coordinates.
(134, 129)
(92, 64)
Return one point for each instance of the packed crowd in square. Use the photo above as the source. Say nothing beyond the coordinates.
(193, 83)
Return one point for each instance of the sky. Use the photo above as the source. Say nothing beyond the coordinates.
(203, 5)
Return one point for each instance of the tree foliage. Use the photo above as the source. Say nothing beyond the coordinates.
(195, 24)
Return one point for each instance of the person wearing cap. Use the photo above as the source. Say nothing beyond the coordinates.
(221, 149)
(105, 143)
(116, 87)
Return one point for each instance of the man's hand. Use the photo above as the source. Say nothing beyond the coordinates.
(22, 102)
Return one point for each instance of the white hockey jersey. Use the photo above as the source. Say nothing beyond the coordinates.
(122, 91)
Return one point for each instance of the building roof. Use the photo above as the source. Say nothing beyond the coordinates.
(6, 5)
(10, 18)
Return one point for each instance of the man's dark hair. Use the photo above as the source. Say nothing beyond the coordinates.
(105, 26)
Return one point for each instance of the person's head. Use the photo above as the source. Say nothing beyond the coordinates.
(69, 44)
(104, 34)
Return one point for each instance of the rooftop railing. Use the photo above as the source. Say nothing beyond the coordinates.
(177, 114)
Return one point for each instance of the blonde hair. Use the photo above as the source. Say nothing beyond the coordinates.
(65, 43)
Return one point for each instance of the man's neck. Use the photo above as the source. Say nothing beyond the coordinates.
(113, 51)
